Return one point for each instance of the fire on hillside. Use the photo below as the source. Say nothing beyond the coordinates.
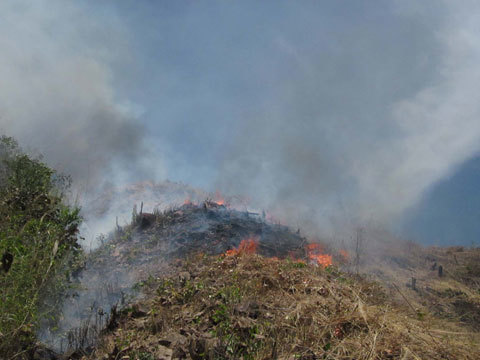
(153, 240)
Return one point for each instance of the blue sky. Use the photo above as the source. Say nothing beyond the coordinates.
(449, 211)
(331, 113)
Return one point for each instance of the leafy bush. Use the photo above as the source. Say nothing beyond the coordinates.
(39, 231)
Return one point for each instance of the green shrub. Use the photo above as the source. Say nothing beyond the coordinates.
(40, 231)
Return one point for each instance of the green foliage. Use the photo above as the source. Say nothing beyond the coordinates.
(40, 231)
(143, 356)
(229, 294)
(236, 340)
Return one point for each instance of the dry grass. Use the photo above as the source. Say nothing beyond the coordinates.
(250, 307)
(455, 296)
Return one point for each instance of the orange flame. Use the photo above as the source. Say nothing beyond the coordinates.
(218, 198)
(247, 246)
(315, 253)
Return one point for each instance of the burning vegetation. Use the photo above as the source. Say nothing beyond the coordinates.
(316, 253)
(218, 283)
(247, 306)
(247, 246)
(207, 281)
(146, 247)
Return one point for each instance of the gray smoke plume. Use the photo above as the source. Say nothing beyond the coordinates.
(324, 112)
(56, 90)
(359, 129)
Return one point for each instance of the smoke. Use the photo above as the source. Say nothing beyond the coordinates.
(57, 93)
(359, 128)
(326, 113)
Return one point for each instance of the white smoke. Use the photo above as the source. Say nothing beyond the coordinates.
(338, 141)
(57, 93)
(437, 129)
(325, 120)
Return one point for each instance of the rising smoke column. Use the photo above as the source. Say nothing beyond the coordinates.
(338, 111)
(360, 123)
(57, 95)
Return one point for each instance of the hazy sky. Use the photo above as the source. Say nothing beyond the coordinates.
(328, 112)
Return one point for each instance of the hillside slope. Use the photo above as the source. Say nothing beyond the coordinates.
(210, 282)
(441, 281)
(251, 307)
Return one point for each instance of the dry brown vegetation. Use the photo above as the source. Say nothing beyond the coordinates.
(259, 307)
(453, 296)
(251, 307)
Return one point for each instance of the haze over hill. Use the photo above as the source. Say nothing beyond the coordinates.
(247, 177)
(329, 114)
